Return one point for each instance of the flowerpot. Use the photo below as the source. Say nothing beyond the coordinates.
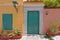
(58, 33)
(16, 37)
(50, 33)
(0, 37)
(8, 37)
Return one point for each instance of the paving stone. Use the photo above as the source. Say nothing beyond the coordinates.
(38, 37)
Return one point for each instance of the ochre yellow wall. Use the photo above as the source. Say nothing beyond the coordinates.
(18, 18)
(10, 1)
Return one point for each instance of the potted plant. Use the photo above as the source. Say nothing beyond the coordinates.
(17, 34)
(6, 34)
(54, 28)
(58, 30)
(48, 36)
(52, 32)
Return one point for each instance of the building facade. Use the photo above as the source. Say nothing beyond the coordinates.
(25, 16)
(11, 15)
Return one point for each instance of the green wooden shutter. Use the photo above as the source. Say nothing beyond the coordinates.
(7, 21)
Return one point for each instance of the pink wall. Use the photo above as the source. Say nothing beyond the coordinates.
(53, 15)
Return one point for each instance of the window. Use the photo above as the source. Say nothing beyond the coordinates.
(7, 21)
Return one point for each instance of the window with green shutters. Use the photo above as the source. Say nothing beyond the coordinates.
(7, 21)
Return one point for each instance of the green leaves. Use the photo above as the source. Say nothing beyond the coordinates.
(52, 3)
(49, 37)
(58, 3)
(17, 32)
(55, 31)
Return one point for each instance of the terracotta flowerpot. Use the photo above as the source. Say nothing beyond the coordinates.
(8, 37)
(4, 38)
(0, 37)
(58, 33)
(51, 34)
(16, 37)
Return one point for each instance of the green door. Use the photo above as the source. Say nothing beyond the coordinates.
(33, 22)
(7, 21)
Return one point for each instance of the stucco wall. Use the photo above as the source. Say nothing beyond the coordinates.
(10, 1)
(18, 18)
(53, 15)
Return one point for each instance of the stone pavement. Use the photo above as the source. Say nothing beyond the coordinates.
(38, 37)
